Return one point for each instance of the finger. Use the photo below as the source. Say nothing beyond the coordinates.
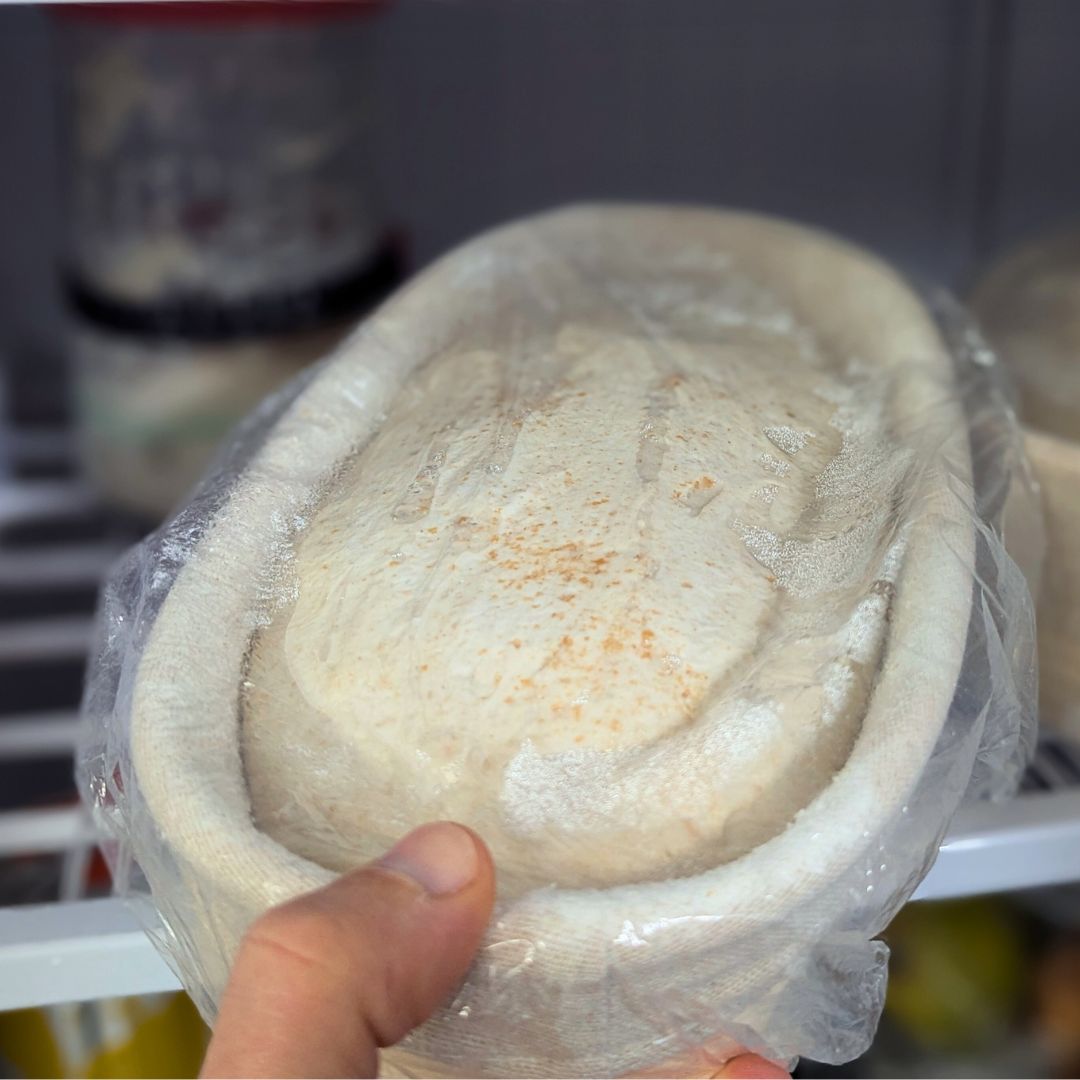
(720, 1059)
(752, 1067)
(323, 981)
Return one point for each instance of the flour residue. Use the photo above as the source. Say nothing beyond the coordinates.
(788, 439)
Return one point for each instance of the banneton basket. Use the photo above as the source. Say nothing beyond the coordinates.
(771, 951)
(1028, 302)
(1056, 463)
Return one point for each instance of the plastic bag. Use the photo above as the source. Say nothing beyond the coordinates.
(790, 475)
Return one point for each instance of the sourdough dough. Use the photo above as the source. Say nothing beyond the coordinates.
(614, 595)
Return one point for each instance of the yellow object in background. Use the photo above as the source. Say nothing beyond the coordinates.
(960, 973)
(158, 1035)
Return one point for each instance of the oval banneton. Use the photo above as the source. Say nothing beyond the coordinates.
(613, 535)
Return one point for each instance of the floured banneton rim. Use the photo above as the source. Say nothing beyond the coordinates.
(644, 541)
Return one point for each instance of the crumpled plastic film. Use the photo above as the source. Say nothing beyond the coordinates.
(665, 547)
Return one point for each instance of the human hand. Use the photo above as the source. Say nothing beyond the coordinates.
(322, 982)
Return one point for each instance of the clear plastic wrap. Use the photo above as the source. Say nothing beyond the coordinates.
(724, 502)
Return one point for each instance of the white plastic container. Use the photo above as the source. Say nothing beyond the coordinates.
(223, 224)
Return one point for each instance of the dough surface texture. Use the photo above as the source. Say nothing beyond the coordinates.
(613, 593)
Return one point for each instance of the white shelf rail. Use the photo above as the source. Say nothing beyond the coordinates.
(1025, 843)
(64, 565)
(42, 500)
(59, 637)
(44, 832)
(88, 949)
(31, 736)
(79, 951)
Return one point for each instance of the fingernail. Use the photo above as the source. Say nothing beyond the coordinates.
(441, 857)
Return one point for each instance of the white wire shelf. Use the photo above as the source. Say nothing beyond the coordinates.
(88, 949)
(78, 951)
(62, 637)
(56, 567)
(32, 736)
(85, 949)
(1028, 842)
(44, 832)
(41, 500)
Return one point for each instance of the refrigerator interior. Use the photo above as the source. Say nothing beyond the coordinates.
(936, 132)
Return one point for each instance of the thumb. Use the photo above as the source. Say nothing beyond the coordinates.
(323, 981)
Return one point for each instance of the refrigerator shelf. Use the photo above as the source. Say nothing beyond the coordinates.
(86, 949)
(78, 949)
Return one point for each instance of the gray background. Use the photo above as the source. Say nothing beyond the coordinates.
(933, 130)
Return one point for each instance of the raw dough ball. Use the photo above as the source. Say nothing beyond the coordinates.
(613, 599)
